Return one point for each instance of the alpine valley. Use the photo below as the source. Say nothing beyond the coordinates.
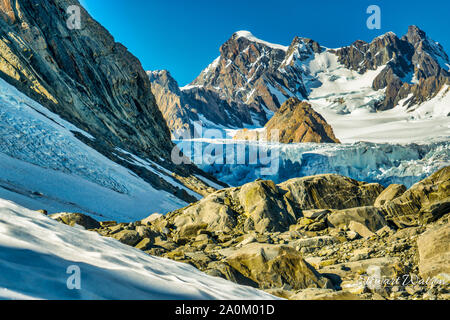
(360, 192)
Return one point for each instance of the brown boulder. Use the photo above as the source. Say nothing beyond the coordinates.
(434, 252)
(424, 202)
(80, 219)
(331, 191)
(389, 194)
(275, 266)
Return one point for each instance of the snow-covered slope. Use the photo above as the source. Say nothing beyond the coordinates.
(347, 101)
(371, 162)
(44, 166)
(36, 252)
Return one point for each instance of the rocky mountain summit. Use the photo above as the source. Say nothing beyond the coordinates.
(323, 237)
(91, 81)
(254, 77)
(415, 66)
(181, 108)
(295, 122)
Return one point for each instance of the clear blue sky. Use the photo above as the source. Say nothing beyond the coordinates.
(184, 36)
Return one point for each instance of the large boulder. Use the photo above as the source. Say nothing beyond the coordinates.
(211, 211)
(424, 202)
(128, 237)
(389, 194)
(266, 207)
(434, 252)
(258, 206)
(331, 191)
(275, 266)
(80, 219)
(370, 217)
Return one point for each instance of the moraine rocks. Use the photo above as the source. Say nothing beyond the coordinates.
(297, 243)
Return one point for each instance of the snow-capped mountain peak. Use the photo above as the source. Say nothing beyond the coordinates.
(250, 37)
(254, 77)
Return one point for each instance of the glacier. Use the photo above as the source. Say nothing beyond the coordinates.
(383, 163)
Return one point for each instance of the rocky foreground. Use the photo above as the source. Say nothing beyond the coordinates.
(323, 237)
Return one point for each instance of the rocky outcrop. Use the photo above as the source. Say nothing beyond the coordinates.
(331, 191)
(297, 121)
(294, 122)
(424, 202)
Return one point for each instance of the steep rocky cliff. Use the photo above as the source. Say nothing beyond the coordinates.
(91, 81)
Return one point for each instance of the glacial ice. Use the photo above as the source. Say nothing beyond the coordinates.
(372, 162)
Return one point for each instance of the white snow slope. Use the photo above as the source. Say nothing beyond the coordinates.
(346, 100)
(36, 251)
(44, 166)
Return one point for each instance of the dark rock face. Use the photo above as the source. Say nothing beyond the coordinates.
(414, 56)
(88, 79)
(82, 75)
